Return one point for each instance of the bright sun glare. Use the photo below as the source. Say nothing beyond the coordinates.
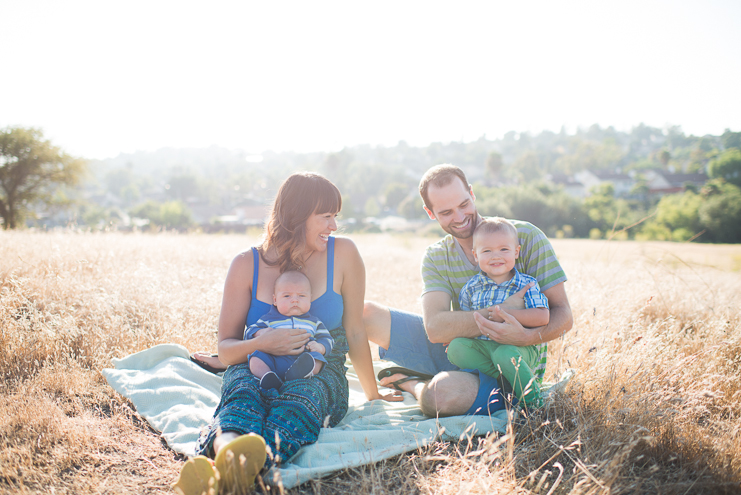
(102, 78)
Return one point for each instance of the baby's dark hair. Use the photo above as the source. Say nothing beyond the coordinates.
(495, 224)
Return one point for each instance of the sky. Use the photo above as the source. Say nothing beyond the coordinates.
(107, 77)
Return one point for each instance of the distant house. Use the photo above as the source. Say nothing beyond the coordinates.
(203, 212)
(661, 182)
(622, 183)
(251, 214)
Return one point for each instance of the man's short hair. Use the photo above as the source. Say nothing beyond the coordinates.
(439, 176)
(495, 224)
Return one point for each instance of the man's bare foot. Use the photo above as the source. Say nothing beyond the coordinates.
(400, 381)
(208, 359)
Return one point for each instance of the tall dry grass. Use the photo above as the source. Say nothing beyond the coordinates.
(654, 406)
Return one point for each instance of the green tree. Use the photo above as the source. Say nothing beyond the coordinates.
(32, 170)
(607, 212)
(551, 209)
(170, 215)
(182, 186)
(395, 194)
(731, 139)
(125, 184)
(720, 213)
(494, 164)
(664, 156)
(149, 210)
(727, 166)
(348, 208)
(528, 166)
(175, 215)
(588, 155)
(680, 211)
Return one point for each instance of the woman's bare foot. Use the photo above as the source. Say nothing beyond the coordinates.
(224, 439)
(208, 360)
(239, 459)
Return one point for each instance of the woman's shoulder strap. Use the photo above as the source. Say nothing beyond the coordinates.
(330, 263)
(255, 268)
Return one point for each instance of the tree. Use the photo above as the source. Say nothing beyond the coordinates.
(720, 212)
(731, 139)
(528, 166)
(493, 165)
(170, 215)
(395, 194)
(680, 211)
(31, 172)
(664, 156)
(727, 166)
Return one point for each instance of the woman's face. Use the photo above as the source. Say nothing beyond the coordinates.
(318, 228)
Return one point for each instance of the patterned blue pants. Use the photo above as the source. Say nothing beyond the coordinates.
(287, 418)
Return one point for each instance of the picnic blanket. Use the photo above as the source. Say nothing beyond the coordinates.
(178, 398)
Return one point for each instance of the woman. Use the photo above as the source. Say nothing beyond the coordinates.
(297, 237)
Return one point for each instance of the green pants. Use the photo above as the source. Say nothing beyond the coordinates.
(512, 362)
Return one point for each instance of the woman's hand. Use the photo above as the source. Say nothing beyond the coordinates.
(394, 396)
(282, 341)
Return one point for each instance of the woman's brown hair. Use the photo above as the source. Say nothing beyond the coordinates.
(301, 195)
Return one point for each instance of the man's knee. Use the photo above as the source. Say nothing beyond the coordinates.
(449, 393)
(377, 320)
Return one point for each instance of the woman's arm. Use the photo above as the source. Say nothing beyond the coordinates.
(348, 259)
(234, 307)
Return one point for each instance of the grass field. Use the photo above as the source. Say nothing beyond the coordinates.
(654, 407)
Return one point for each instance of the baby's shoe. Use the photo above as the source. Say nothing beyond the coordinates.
(270, 380)
(303, 367)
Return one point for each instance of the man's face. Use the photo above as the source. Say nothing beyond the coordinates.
(496, 254)
(453, 207)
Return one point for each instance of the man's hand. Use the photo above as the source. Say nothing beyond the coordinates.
(515, 301)
(508, 331)
(315, 346)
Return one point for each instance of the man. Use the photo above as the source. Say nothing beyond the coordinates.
(418, 343)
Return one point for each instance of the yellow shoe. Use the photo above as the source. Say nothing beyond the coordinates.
(239, 462)
(197, 477)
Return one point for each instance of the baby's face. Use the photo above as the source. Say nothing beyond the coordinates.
(496, 254)
(292, 298)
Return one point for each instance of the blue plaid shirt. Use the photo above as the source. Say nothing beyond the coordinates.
(482, 292)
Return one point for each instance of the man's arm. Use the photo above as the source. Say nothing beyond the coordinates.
(510, 332)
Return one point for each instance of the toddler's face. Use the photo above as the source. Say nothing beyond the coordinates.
(496, 254)
(292, 298)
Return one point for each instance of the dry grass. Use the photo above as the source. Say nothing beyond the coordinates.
(654, 407)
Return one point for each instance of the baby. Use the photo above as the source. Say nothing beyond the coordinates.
(496, 249)
(292, 301)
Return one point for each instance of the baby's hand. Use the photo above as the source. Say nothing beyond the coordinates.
(314, 346)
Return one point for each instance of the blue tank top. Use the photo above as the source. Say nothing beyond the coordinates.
(328, 307)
